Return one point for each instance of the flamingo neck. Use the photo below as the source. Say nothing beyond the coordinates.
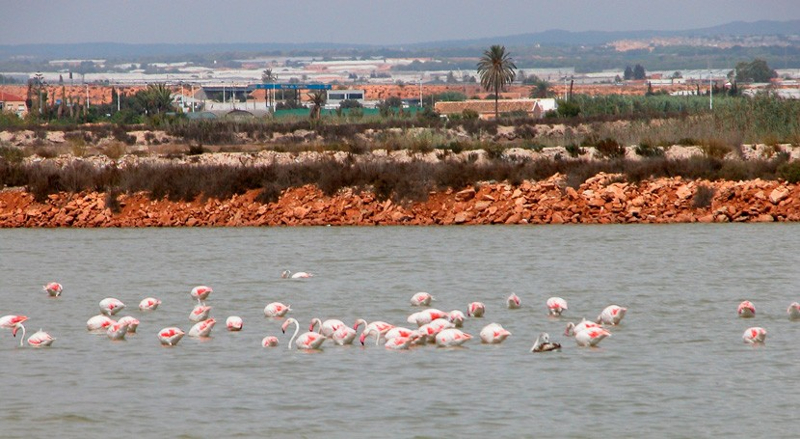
(23, 335)
(296, 330)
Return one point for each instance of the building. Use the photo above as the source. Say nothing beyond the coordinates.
(335, 97)
(535, 108)
(13, 103)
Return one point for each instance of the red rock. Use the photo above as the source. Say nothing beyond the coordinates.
(765, 218)
(465, 195)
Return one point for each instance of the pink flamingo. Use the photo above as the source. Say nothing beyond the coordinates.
(308, 340)
(794, 311)
(493, 333)
(746, 309)
(556, 305)
(476, 309)
(421, 299)
(40, 339)
(430, 330)
(199, 313)
(276, 309)
(14, 323)
(326, 328)
(132, 322)
(269, 341)
(513, 302)
(452, 337)
(117, 331)
(754, 335)
(202, 329)
(396, 343)
(590, 337)
(234, 323)
(149, 304)
(343, 335)
(201, 293)
(170, 336)
(543, 344)
(99, 322)
(427, 316)
(611, 315)
(380, 327)
(573, 329)
(457, 318)
(110, 306)
(286, 274)
(54, 289)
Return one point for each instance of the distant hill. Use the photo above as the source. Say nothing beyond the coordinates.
(562, 37)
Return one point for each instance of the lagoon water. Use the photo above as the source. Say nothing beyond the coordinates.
(676, 367)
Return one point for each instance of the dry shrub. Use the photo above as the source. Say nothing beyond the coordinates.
(703, 197)
(115, 150)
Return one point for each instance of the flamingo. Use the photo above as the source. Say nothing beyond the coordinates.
(117, 331)
(746, 309)
(493, 333)
(132, 322)
(276, 309)
(170, 336)
(513, 302)
(452, 337)
(99, 322)
(199, 313)
(54, 289)
(430, 330)
(149, 304)
(584, 324)
(611, 315)
(754, 335)
(200, 293)
(476, 309)
(308, 340)
(14, 323)
(396, 343)
(234, 323)
(427, 316)
(343, 335)
(40, 339)
(556, 306)
(543, 344)
(794, 311)
(381, 327)
(326, 328)
(269, 341)
(399, 331)
(202, 329)
(591, 336)
(110, 306)
(457, 317)
(421, 299)
(286, 274)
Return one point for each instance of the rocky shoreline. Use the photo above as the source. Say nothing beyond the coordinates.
(603, 199)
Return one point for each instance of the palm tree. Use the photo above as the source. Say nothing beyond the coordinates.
(496, 69)
(317, 100)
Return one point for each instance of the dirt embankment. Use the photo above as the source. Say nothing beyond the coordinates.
(602, 199)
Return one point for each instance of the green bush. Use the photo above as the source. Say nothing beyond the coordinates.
(789, 171)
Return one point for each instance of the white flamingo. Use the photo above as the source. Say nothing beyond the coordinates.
(429, 331)
(40, 339)
(99, 322)
(286, 274)
(343, 335)
(201, 293)
(476, 309)
(170, 336)
(117, 331)
(611, 315)
(326, 328)
(14, 323)
(590, 337)
(234, 323)
(269, 341)
(543, 344)
(110, 306)
(149, 304)
(199, 313)
(794, 311)
(754, 335)
(396, 343)
(513, 301)
(493, 333)
(457, 317)
(308, 340)
(54, 289)
(276, 309)
(427, 316)
(202, 329)
(556, 305)
(451, 337)
(746, 309)
(421, 299)
(132, 322)
(572, 328)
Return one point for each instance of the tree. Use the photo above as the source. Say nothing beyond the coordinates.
(451, 78)
(267, 76)
(541, 88)
(754, 71)
(317, 98)
(638, 72)
(496, 69)
(628, 75)
(155, 99)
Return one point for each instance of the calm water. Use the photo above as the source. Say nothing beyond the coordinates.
(676, 367)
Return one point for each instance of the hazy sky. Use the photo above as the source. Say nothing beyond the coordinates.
(356, 21)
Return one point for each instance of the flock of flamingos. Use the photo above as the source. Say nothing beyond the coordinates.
(432, 325)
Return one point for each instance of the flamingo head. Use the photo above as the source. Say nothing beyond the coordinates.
(570, 328)
(314, 322)
(285, 324)
(285, 274)
(358, 323)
